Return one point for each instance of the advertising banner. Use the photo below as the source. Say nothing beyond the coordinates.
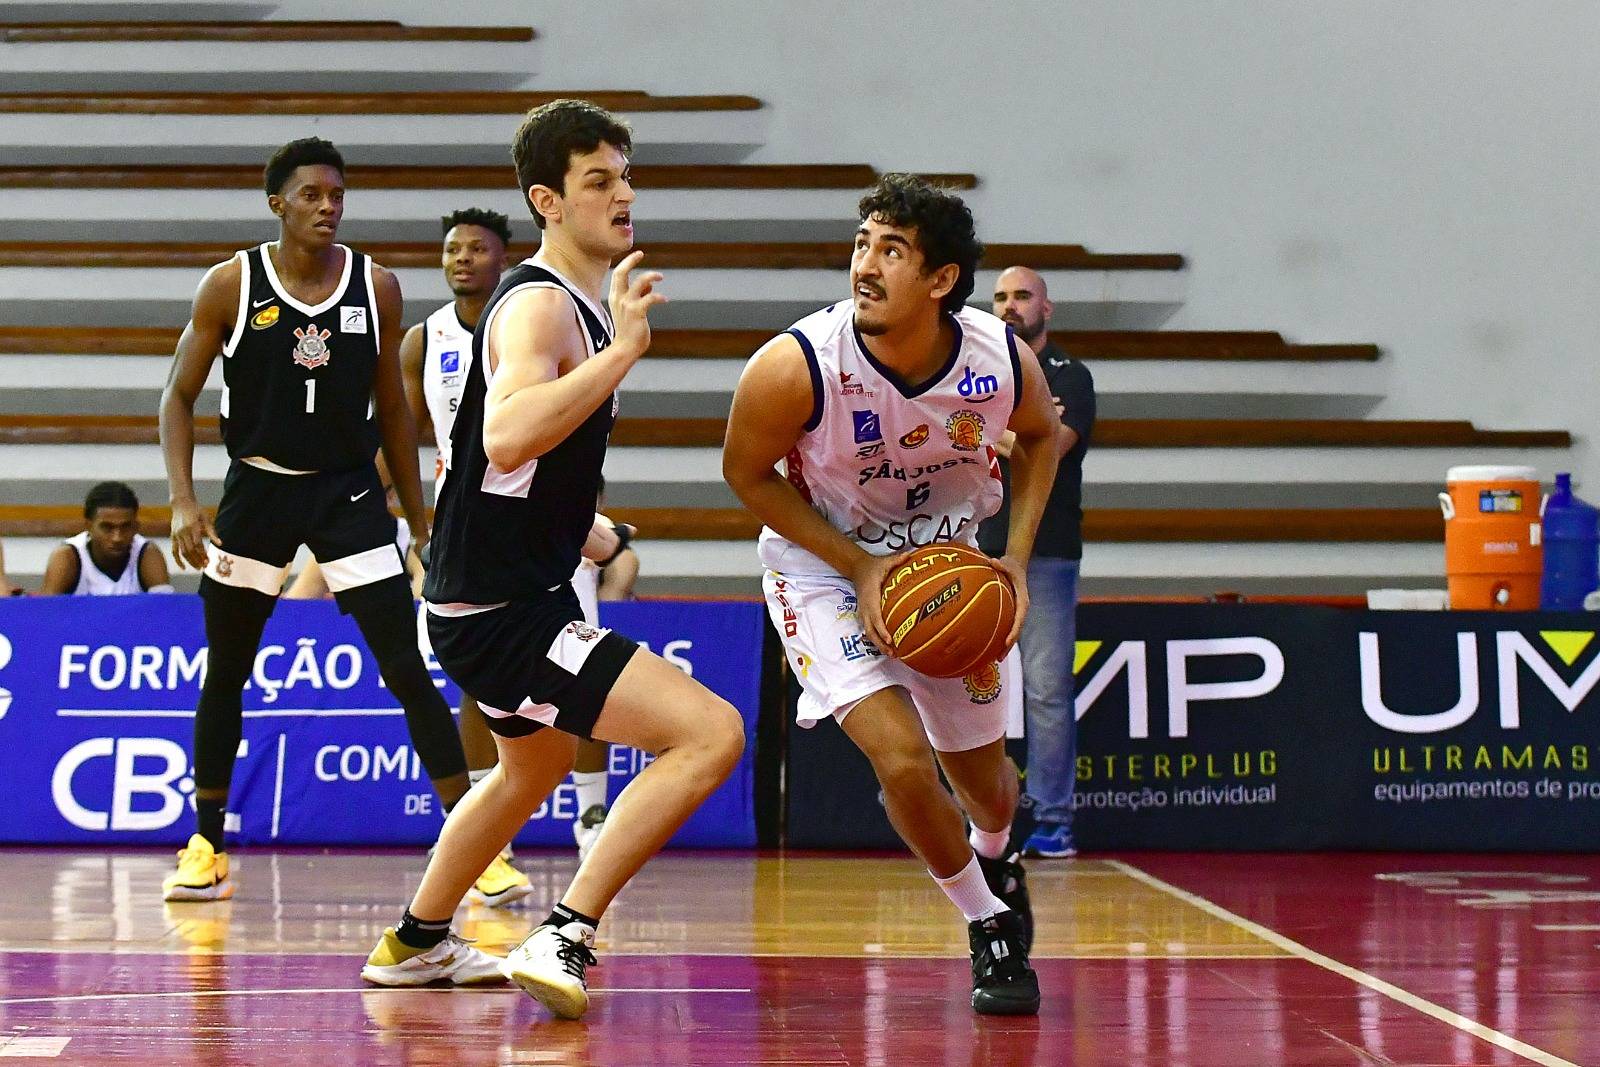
(97, 701)
(1279, 727)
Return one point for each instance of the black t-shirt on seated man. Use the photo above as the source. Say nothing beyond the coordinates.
(1061, 528)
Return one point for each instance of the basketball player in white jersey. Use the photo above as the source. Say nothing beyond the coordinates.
(434, 358)
(883, 411)
(111, 557)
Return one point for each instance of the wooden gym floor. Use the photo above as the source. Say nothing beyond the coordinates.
(734, 959)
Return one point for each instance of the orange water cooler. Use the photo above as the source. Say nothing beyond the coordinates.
(1492, 554)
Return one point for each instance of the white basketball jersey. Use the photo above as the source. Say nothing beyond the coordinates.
(92, 581)
(892, 467)
(445, 361)
(586, 583)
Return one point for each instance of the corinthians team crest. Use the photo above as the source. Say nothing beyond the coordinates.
(311, 346)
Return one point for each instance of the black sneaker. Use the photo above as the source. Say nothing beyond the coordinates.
(1008, 881)
(1002, 981)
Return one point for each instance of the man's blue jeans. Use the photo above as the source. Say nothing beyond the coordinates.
(1049, 634)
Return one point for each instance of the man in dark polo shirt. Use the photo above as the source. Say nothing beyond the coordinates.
(1050, 629)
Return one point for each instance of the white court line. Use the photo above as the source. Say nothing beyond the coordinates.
(1563, 927)
(43, 1048)
(76, 998)
(1344, 970)
(865, 953)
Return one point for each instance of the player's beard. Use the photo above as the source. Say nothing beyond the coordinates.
(875, 327)
(1029, 334)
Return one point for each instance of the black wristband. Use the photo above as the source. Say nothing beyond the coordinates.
(624, 534)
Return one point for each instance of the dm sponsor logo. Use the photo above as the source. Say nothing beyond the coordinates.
(977, 387)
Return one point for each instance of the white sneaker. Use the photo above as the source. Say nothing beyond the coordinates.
(550, 967)
(394, 963)
(586, 829)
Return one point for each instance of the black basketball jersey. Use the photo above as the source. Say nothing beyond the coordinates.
(511, 535)
(297, 380)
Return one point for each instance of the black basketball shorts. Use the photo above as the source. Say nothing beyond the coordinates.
(265, 517)
(532, 663)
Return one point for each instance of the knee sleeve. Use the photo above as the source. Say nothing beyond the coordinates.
(234, 621)
(387, 618)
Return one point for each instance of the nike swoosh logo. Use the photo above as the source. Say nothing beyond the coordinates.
(1058, 363)
(359, 495)
(258, 303)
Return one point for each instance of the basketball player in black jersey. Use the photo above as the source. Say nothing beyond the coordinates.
(518, 504)
(309, 331)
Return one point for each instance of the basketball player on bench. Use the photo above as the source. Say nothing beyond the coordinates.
(885, 450)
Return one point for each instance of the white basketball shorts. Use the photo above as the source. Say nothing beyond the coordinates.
(838, 667)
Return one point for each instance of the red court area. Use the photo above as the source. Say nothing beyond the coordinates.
(797, 960)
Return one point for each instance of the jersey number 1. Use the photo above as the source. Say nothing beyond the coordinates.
(311, 395)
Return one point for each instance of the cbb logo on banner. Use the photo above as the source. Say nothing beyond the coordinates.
(95, 737)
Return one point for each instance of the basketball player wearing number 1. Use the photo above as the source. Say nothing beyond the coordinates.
(882, 412)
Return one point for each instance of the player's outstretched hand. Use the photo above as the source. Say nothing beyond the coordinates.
(190, 532)
(868, 577)
(1018, 573)
(631, 300)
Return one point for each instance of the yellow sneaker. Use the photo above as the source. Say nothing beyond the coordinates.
(394, 963)
(500, 884)
(202, 873)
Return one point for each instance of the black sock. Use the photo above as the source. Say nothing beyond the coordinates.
(562, 915)
(210, 819)
(421, 933)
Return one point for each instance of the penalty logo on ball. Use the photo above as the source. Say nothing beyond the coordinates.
(928, 609)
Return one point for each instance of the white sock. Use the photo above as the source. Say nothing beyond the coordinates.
(968, 891)
(991, 846)
(591, 789)
(474, 777)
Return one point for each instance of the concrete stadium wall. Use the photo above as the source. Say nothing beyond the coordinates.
(1419, 175)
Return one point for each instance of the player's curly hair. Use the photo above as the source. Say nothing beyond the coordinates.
(492, 221)
(943, 225)
(306, 152)
(109, 495)
(553, 133)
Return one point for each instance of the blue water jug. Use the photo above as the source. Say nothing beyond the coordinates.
(1571, 549)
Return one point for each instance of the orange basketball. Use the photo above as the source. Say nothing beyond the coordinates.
(949, 610)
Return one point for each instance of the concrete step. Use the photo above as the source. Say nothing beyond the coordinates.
(111, 11)
(689, 388)
(197, 66)
(364, 232)
(70, 489)
(651, 477)
(1231, 526)
(659, 137)
(1164, 466)
(750, 299)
